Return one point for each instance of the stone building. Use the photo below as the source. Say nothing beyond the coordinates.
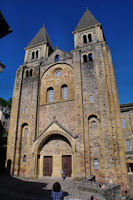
(4, 126)
(65, 110)
(5, 117)
(127, 129)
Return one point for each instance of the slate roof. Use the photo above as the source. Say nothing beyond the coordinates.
(126, 107)
(41, 37)
(86, 21)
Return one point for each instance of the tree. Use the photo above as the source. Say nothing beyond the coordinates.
(5, 103)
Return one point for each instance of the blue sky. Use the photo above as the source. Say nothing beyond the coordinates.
(60, 18)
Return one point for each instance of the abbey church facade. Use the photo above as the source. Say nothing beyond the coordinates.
(66, 113)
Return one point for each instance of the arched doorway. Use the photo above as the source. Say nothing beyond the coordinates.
(54, 154)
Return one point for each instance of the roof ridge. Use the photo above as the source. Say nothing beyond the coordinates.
(41, 37)
(86, 21)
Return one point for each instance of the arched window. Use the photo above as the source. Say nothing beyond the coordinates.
(56, 58)
(27, 73)
(128, 145)
(91, 100)
(31, 72)
(37, 54)
(33, 55)
(24, 158)
(84, 39)
(123, 123)
(91, 117)
(95, 163)
(84, 58)
(89, 37)
(50, 94)
(25, 109)
(94, 125)
(26, 131)
(90, 57)
(64, 89)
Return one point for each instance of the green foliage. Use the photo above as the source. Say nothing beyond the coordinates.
(5, 103)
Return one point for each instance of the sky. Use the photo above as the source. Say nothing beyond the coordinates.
(26, 17)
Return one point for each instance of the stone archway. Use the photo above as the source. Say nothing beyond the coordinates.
(51, 153)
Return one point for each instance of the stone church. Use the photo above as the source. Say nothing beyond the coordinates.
(66, 113)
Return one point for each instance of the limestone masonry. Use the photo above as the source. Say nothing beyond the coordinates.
(66, 114)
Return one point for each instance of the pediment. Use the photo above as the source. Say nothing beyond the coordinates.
(62, 56)
(61, 52)
(56, 127)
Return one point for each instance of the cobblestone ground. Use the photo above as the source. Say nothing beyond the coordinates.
(12, 188)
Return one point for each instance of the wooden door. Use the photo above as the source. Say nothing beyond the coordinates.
(47, 166)
(67, 165)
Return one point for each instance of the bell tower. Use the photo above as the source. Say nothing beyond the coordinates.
(88, 31)
(39, 47)
(102, 134)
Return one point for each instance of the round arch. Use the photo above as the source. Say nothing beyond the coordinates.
(43, 150)
(55, 65)
(47, 135)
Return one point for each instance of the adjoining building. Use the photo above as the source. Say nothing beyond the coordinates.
(5, 117)
(127, 129)
(65, 110)
(4, 126)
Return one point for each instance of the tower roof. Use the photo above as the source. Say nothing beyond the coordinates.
(87, 20)
(41, 37)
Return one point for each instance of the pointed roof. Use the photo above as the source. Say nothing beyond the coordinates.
(87, 20)
(41, 37)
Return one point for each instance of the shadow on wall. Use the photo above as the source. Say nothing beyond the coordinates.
(19, 189)
(3, 145)
(131, 183)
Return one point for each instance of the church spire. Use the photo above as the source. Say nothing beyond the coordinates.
(39, 47)
(86, 21)
(40, 38)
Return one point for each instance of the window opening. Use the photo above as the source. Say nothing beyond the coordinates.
(130, 167)
(94, 126)
(25, 109)
(84, 39)
(65, 92)
(95, 163)
(90, 57)
(36, 54)
(91, 100)
(57, 58)
(50, 93)
(26, 131)
(89, 37)
(123, 123)
(24, 158)
(84, 58)
(33, 55)
(58, 73)
(27, 73)
(128, 145)
(31, 72)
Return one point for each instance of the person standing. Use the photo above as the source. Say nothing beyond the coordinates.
(63, 174)
(57, 194)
